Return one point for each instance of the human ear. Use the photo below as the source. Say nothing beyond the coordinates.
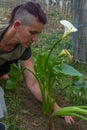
(17, 24)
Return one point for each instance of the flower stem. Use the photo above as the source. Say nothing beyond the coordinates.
(58, 41)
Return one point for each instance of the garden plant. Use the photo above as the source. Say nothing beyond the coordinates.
(50, 69)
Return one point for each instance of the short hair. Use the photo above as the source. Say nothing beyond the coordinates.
(23, 12)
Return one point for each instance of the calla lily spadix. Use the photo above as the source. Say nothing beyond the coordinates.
(69, 28)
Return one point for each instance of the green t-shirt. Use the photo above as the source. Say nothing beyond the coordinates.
(7, 58)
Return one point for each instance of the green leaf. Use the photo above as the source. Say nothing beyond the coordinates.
(66, 70)
(81, 84)
(40, 62)
(69, 70)
(10, 84)
(15, 72)
(15, 75)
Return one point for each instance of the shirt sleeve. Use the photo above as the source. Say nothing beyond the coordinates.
(27, 54)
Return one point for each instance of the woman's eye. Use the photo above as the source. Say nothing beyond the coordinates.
(33, 32)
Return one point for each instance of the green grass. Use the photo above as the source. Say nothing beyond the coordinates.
(15, 117)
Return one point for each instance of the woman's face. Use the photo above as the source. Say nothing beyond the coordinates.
(26, 35)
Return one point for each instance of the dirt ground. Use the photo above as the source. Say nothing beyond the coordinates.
(35, 120)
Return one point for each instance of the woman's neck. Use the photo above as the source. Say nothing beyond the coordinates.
(9, 40)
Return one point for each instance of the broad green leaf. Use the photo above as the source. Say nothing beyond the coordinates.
(15, 75)
(10, 84)
(40, 62)
(81, 84)
(69, 70)
(66, 70)
(15, 72)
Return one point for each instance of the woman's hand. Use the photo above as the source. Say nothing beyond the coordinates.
(68, 119)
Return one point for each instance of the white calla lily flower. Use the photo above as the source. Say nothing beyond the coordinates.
(69, 28)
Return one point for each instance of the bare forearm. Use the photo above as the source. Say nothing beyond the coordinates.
(32, 85)
(31, 82)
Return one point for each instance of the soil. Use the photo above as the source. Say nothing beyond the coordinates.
(35, 120)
